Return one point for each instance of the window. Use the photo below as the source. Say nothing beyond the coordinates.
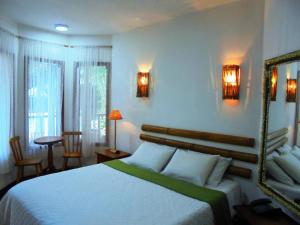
(91, 100)
(44, 102)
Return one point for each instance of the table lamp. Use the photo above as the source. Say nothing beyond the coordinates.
(115, 115)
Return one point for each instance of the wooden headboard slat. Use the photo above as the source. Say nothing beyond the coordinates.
(207, 136)
(239, 171)
(242, 156)
(276, 145)
(277, 133)
(276, 139)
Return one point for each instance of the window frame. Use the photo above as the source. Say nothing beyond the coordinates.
(27, 60)
(108, 83)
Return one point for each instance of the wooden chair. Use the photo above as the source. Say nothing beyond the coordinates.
(20, 162)
(73, 146)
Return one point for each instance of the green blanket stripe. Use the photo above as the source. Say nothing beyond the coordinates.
(216, 199)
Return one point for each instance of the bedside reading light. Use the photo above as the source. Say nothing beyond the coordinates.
(291, 90)
(143, 84)
(274, 81)
(115, 115)
(231, 81)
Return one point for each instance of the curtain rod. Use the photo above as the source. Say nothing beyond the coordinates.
(64, 45)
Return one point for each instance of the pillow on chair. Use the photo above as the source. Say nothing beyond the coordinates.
(151, 156)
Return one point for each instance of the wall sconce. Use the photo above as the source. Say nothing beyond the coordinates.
(143, 84)
(231, 81)
(274, 81)
(291, 90)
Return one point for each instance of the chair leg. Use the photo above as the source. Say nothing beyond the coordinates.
(37, 170)
(65, 164)
(41, 169)
(22, 172)
(19, 174)
(79, 161)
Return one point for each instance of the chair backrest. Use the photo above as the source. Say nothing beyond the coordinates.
(72, 141)
(16, 148)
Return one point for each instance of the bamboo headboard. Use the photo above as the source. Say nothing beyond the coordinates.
(212, 137)
(276, 139)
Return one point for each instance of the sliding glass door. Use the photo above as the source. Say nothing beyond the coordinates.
(44, 98)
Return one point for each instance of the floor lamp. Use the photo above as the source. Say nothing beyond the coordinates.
(115, 115)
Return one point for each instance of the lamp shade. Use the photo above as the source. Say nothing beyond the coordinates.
(291, 90)
(143, 85)
(231, 81)
(274, 81)
(115, 115)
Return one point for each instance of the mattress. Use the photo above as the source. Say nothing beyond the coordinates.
(97, 195)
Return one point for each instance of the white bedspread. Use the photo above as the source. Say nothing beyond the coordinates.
(100, 195)
(291, 191)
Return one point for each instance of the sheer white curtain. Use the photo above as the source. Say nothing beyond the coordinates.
(8, 50)
(44, 65)
(91, 83)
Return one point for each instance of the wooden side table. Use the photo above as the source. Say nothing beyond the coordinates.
(50, 141)
(245, 216)
(106, 155)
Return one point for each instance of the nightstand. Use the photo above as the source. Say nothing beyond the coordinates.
(106, 155)
(244, 216)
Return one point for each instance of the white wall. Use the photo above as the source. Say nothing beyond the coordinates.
(281, 29)
(185, 57)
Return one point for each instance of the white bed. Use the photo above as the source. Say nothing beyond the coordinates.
(100, 195)
(292, 191)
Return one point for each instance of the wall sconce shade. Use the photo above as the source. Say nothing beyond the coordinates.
(274, 81)
(291, 90)
(143, 84)
(231, 81)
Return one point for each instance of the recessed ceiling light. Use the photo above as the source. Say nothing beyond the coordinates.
(61, 27)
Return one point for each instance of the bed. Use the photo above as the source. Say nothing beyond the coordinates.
(100, 194)
(103, 195)
(275, 141)
(291, 191)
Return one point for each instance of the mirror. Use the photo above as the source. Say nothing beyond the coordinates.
(279, 164)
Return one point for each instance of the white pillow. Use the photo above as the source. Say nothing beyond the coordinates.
(217, 174)
(285, 149)
(272, 155)
(296, 148)
(151, 156)
(277, 173)
(296, 153)
(190, 166)
(290, 164)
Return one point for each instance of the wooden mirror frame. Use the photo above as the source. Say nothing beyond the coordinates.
(267, 189)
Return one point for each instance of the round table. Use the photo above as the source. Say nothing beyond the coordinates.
(50, 141)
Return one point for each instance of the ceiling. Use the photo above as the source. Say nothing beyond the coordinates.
(99, 16)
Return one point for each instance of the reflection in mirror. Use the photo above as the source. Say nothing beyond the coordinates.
(282, 164)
